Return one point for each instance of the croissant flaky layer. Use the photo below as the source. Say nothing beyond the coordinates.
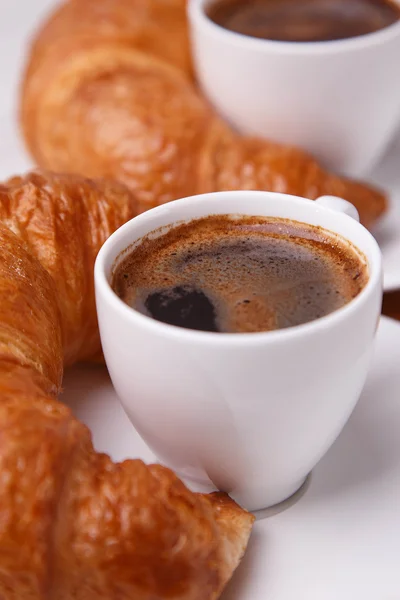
(64, 221)
(73, 524)
(109, 91)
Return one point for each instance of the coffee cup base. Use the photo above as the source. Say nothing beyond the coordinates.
(280, 507)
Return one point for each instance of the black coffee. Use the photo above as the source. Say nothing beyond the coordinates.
(240, 274)
(304, 20)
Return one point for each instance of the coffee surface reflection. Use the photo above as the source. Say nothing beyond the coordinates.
(304, 20)
(240, 274)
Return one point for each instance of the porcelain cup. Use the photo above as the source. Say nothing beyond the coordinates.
(250, 414)
(339, 100)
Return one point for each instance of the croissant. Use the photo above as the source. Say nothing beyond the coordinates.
(109, 92)
(74, 525)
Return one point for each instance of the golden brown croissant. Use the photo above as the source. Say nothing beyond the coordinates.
(74, 525)
(108, 91)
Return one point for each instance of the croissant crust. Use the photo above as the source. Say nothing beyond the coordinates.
(109, 92)
(73, 524)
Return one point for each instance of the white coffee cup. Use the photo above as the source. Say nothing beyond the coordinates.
(251, 414)
(340, 100)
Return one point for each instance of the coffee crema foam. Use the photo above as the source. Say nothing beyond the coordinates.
(240, 274)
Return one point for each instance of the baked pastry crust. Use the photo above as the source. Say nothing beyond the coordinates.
(73, 524)
(109, 92)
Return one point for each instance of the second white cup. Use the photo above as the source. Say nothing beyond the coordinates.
(339, 100)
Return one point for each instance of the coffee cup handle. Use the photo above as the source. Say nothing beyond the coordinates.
(340, 205)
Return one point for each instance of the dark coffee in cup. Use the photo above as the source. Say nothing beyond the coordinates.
(239, 274)
(304, 20)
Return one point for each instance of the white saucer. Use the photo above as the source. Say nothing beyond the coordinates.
(387, 233)
(341, 540)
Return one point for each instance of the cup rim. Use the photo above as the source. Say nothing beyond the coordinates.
(103, 287)
(196, 13)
